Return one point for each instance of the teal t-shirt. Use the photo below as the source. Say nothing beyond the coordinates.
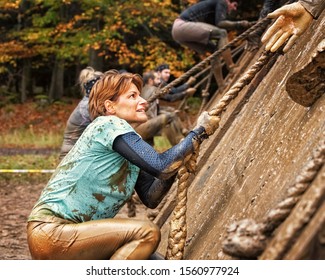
(93, 181)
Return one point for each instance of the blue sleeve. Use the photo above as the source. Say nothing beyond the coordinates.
(173, 97)
(151, 190)
(179, 89)
(160, 165)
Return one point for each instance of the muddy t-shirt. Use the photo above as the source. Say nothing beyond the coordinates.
(92, 181)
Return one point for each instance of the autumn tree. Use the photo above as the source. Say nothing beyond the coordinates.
(45, 43)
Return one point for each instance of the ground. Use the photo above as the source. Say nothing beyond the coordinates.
(15, 205)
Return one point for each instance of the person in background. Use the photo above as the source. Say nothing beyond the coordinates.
(175, 130)
(163, 72)
(79, 118)
(74, 216)
(156, 120)
(203, 27)
(291, 22)
(160, 117)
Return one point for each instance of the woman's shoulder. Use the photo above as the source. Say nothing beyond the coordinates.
(112, 122)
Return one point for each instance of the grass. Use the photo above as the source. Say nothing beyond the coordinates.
(30, 161)
(194, 104)
(161, 143)
(27, 138)
(13, 162)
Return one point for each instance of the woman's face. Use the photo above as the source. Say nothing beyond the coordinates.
(130, 106)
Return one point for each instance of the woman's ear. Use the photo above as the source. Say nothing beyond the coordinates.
(109, 107)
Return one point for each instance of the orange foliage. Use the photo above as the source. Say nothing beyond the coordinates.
(14, 49)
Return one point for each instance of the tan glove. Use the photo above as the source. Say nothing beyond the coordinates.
(292, 21)
(191, 81)
(190, 91)
(210, 123)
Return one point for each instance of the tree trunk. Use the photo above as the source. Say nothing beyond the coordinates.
(26, 81)
(95, 60)
(57, 80)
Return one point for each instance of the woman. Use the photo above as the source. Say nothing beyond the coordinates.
(79, 118)
(74, 217)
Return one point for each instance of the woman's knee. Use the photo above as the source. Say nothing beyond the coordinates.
(35, 240)
(152, 232)
(218, 33)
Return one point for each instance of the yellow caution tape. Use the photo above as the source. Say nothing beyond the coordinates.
(27, 170)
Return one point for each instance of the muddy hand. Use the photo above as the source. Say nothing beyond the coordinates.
(191, 81)
(190, 91)
(210, 123)
(291, 21)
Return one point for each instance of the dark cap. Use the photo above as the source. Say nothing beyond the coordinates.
(89, 85)
(161, 67)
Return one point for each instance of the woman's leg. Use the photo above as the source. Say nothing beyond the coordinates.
(119, 239)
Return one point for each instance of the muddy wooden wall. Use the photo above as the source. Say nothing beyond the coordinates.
(264, 141)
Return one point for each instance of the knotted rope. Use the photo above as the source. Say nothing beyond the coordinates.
(178, 230)
(247, 238)
(131, 207)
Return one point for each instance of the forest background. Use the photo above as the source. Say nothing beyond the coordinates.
(44, 44)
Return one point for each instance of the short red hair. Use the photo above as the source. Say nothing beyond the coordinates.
(110, 87)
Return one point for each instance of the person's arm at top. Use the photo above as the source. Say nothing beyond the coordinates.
(269, 6)
(291, 21)
(314, 7)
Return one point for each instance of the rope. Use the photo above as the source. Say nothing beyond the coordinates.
(177, 233)
(206, 78)
(246, 238)
(203, 71)
(205, 63)
(178, 227)
(205, 93)
(131, 207)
